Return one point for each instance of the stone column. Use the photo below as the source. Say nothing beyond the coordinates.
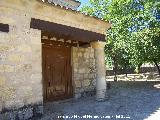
(100, 70)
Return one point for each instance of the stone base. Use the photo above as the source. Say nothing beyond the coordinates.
(88, 93)
(85, 94)
(24, 113)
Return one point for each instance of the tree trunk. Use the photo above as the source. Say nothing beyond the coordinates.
(125, 70)
(115, 69)
(158, 68)
(138, 68)
(115, 74)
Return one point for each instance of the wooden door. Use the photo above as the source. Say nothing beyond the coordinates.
(57, 77)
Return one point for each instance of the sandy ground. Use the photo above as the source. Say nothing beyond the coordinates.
(126, 101)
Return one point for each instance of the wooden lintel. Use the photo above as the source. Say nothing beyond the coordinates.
(4, 27)
(71, 33)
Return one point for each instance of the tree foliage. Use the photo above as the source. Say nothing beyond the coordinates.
(134, 38)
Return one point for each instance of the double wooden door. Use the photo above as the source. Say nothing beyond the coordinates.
(57, 72)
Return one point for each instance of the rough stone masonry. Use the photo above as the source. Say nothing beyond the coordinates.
(20, 71)
(84, 74)
(21, 92)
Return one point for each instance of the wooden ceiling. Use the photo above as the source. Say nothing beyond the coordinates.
(50, 38)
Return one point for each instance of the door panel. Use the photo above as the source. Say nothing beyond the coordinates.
(57, 79)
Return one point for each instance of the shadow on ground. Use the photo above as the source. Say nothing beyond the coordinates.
(137, 100)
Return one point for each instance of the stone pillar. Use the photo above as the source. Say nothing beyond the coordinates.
(100, 70)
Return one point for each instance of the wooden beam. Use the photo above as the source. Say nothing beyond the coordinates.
(71, 33)
(4, 27)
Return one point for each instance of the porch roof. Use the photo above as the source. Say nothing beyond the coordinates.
(66, 32)
(63, 21)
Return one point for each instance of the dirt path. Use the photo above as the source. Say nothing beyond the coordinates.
(127, 101)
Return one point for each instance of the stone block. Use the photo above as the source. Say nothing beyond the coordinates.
(36, 40)
(2, 80)
(27, 92)
(78, 76)
(80, 54)
(6, 48)
(91, 75)
(1, 105)
(91, 50)
(86, 50)
(36, 58)
(33, 100)
(16, 79)
(74, 50)
(37, 67)
(15, 58)
(1, 68)
(79, 90)
(23, 48)
(36, 78)
(74, 53)
(38, 91)
(24, 92)
(8, 68)
(4, 37)
(23, 68)
(36, 49)
(92, 60)
(91, 55)
(7, 93)
(77, 96)
(13, 29)
(78, 84)
(2, 57)
(86, 76)
(7, 20)
(13, 104)
(82, 70)
(75, 70)
(35, 32)
(76, 64)
(15, 39)
(86, 55)
(86, 83)
(94, 82)
(81, 49)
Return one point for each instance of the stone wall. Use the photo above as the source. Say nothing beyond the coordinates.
(20, 68)
(20, 56)
(51, 13)
(84, 71)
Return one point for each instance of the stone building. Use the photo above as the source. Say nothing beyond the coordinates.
(48, 53)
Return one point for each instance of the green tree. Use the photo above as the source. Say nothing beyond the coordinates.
(146, 38)
(134, 36)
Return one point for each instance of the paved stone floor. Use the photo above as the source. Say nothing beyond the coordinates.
(127, 101)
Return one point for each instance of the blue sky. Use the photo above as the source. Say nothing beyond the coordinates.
(83, 2)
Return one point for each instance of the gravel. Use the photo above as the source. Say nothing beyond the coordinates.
(127, 101)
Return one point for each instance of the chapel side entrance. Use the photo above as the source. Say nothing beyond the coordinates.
(57, 71)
